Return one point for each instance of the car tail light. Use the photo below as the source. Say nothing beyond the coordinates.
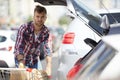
(9, 48)
(68, 38)
(72, 73)
(6, 49)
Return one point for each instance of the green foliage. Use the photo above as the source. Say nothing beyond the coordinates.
(30, 18)
(64, 20)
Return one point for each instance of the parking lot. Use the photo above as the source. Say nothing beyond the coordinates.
(86, 47)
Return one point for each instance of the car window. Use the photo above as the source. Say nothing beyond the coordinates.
(2, 38)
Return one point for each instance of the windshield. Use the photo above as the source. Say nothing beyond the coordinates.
(94, 19)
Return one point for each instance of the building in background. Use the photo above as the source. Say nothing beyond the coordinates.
(15, 12)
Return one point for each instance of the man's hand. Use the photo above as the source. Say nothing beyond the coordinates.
(20, 59)
(21, 65)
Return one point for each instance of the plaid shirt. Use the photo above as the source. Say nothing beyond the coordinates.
(29, 46)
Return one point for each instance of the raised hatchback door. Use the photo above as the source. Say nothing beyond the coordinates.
(52, 2)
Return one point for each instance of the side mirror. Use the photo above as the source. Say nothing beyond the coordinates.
(90, 42)
(105, 24)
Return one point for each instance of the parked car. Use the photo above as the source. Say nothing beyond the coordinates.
(7, 41)
(86, 24)
(99, 62)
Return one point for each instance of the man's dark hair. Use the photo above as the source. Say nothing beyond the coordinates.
(40, 9)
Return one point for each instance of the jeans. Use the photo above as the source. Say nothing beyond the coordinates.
(38, 65)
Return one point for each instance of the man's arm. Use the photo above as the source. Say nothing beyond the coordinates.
(19, 46)
(48, 58)
(20, 58)
(48, 64)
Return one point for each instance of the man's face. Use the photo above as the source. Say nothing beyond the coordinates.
(39, 18)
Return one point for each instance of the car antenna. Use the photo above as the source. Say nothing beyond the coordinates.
(109, 12)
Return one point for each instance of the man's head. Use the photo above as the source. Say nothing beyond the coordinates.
(40, 15)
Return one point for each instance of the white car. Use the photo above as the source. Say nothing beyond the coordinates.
(73, 46)
(7, 42)
(86, 24)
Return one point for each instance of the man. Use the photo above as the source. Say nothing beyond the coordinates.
(32, 41)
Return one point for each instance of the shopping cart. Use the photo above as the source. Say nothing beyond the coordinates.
(22, 74)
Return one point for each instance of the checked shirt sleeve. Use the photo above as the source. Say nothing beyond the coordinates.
(44, 45)
(20, 44)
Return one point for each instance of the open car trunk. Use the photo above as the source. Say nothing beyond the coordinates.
(52, 2)
(91, 18)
